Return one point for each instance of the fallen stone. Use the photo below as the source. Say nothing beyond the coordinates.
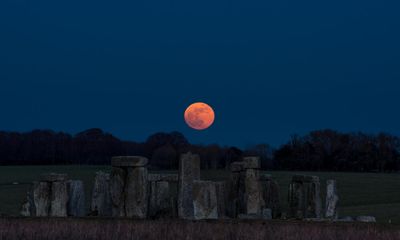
(76, 202)
(129, 161)
(117, 186)
(189, 171)
(251, 163)
(369, 219)
(136, 201)
(266, 214)
(344, 219)
(169, 177)
(41, 198)
(205, 200)
(101, 199)
(53, 177)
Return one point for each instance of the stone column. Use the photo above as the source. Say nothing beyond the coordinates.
(76, 202)
(41, 198)
(220, 188)
(128, 186)
(296, 197)
(161, 201)
(252, 188)
(205, 204)
(101, 199)
(233, 189)
(313, 197)
(189, 171)
(332, 199)
(271, 195)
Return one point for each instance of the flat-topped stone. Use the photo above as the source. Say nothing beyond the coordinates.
(237, 166)
(129, 161)
(168, 177)
(265, 177)
(251, 163)
(53, 177)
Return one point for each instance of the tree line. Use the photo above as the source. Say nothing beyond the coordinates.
(323, 150)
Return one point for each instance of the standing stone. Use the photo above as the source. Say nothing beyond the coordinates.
(101, 199)
(232, 188)
(117, 185)
(28, 207)
(331, 199)
(136, 201)
(41, 198)
(59, 199)
(296, 197)
(270, 195)
(251, 163)
(160, 202)
(220, 188)
(205, 200)
(76, 202)
(189, 171)
(313, 197)
(252, 192)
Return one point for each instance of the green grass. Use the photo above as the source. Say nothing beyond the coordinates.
(360, 193)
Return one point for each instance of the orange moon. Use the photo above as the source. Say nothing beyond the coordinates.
(199, 116)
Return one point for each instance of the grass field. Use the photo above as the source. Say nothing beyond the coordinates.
(360, 193)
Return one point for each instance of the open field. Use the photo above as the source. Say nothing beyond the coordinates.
(124, 229)
(360, 193)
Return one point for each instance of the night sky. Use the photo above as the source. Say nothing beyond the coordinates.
(269, 68)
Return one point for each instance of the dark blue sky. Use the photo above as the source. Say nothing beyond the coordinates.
(269, 68)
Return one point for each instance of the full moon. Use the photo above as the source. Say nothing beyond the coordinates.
(199, 116)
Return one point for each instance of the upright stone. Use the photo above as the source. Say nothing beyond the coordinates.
(331, 199)
(136, 201)
(296, 197)
(59, 199)
(76, 202)
(220, 188)
(205, 200)
(232, 188)
(271, 195)
(160, 202)
(101, 199)
(117, 185)
(313, 204)
(252, 192)
(28, 207)
(189, 171)
(41, 198)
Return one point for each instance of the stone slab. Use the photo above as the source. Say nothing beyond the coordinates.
(252, 163)
(59, 199)
(54, 177)
(205, 203)
(129, 161)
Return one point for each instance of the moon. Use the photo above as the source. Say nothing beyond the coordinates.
(199, 116)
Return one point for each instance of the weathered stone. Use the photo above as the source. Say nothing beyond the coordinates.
(117, 185)
(271, 196)
(136, 201)
(28, 207)
(169, 177)
(101, 199)
(189, 171)
(369, 219)
(251, 163)
(54, 177)
(220, 188)
(237, 166)
(313, 200)
(331, 199)
(232, 187)
(129, 161)
(41, 198)
(250, 216)
(296, 199)
(344, 219)
(160, 202)
(59, 199)
(252, 192)
(76, 202)
(266, 213)
(205, 200)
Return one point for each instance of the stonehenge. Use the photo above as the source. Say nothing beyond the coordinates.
(130, 191)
